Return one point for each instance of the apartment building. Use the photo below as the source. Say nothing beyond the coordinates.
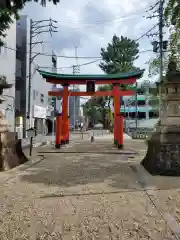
(8, 69)
(142, 107)
(40, 115)
(144, 104)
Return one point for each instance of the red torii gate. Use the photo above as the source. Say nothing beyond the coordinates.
(62, 120)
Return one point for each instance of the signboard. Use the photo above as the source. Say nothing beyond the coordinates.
(39, 112)
(31, 132)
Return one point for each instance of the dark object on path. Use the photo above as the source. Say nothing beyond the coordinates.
(92, 138)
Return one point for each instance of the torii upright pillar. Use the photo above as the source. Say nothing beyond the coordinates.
(118, 120)
(65, 119)
(116, 109)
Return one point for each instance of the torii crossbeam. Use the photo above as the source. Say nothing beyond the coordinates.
(62, 121)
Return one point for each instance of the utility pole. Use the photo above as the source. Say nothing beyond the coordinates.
(161, 25)
(36, 28)
(136, 105)
(160, 45)
(76, 70)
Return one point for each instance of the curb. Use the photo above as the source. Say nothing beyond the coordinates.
(13, 173)
(35, 144)
(32, 161)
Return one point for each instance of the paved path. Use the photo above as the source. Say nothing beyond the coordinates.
(87, 191)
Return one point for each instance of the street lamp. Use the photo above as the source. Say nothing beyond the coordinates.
(146, 84)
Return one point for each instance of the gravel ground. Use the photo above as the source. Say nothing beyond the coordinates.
(84, 191)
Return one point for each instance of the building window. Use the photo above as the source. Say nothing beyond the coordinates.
(141, 102)
(34, 95)
(42, 98)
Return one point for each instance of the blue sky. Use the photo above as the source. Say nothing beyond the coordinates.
(90, 25)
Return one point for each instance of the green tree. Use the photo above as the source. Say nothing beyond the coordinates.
(172, 17)
(172, 12)
(8, 13)
(119, 56)
(92, 111)
(154, 65)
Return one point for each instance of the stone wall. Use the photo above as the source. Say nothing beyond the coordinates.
(11, 154)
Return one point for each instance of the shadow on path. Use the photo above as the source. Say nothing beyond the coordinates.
(93, 152)
(83, 164)
(77, 169)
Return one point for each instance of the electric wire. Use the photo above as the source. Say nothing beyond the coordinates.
(84, 57)
(100, 23)
(80, 57)
(145, 34)
(136, 13)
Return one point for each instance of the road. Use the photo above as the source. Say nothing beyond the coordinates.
(87, 191)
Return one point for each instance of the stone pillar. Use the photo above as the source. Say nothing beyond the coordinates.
(163, 154)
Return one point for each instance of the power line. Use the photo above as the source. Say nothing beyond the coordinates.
(145, 34)
(79, 57)
(136, 13)
(66, 67)
(100, 23)
(84, 64)
(84, 57)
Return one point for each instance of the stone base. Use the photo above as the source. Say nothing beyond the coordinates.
(11, 153)
(63, 142)
(115, 142)
(163, 154)
(120, 146)
(58, 146)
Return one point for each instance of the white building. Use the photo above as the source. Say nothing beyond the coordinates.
(8, 69)
(39, 100)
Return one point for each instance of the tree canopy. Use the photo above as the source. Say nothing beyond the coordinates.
(119, 56)
(172, 12)
(10, 11)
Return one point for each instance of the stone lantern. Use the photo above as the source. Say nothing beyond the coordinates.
(3, 85)
(163, 154)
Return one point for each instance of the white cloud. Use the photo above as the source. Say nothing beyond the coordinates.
(91, 24)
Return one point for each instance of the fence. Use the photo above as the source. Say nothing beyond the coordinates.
(87, 134)
(140, 133)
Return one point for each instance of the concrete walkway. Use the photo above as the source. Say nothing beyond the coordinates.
(88, 191)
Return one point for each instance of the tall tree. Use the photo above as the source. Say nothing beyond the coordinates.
(119, 56)
(172, 18)
(10, 11)
(172, 12)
